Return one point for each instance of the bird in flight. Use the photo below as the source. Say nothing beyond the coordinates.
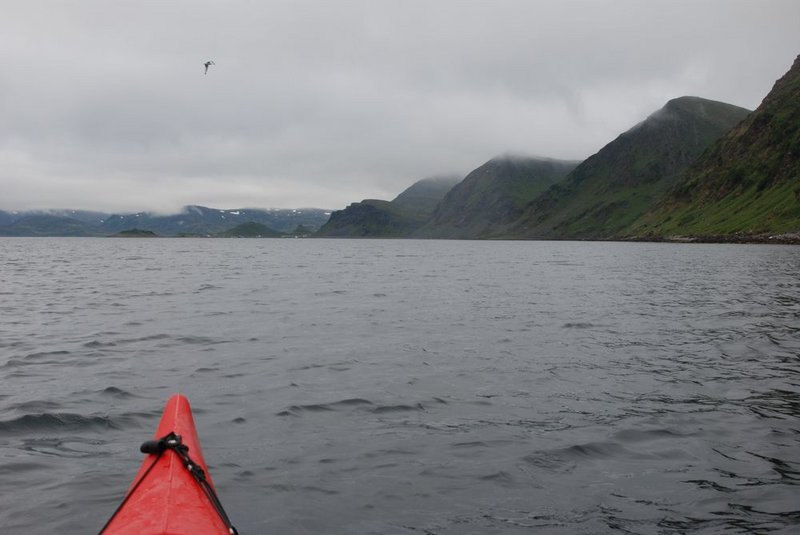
(208, 64)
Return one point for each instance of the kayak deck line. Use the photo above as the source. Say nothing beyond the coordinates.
(172, 493)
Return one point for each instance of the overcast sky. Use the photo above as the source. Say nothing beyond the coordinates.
(104, 104)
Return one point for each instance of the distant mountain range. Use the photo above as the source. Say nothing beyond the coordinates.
(191, 221)
(696, 169)
(540, 198)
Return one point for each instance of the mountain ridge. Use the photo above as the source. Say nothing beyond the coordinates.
(695, 169)
(193, 220)
(747, 183)
(398, 218)
(625, 178)
(493, 194)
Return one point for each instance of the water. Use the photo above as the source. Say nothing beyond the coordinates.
(408, 387)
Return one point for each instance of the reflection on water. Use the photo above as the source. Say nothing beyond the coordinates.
(409, 386)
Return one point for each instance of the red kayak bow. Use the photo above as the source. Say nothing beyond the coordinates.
(172, 494)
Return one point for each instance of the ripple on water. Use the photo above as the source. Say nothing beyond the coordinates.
(56, 422)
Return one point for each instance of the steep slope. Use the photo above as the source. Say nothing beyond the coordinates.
(746, 183)
(627, 177)
(370, 218)
(397, 218)
(423, 196)
(493, 195)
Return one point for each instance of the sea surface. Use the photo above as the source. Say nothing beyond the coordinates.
(408, 387)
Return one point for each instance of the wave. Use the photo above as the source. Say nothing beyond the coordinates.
(398, 408)
(116, 393)
(566, 459)
(38, 358)
(295, 410)
(64, 421)
(40, 406)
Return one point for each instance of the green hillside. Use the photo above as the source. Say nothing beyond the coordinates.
(748, 183)
(370, 218)
(627, 177)
(493, 195)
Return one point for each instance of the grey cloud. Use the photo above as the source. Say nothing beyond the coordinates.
(317, 103)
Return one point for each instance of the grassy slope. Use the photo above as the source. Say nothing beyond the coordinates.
(627, 177)
(370, 218)
(420, 200)
(747, 183)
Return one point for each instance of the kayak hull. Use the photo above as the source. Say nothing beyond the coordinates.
(164, 498)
